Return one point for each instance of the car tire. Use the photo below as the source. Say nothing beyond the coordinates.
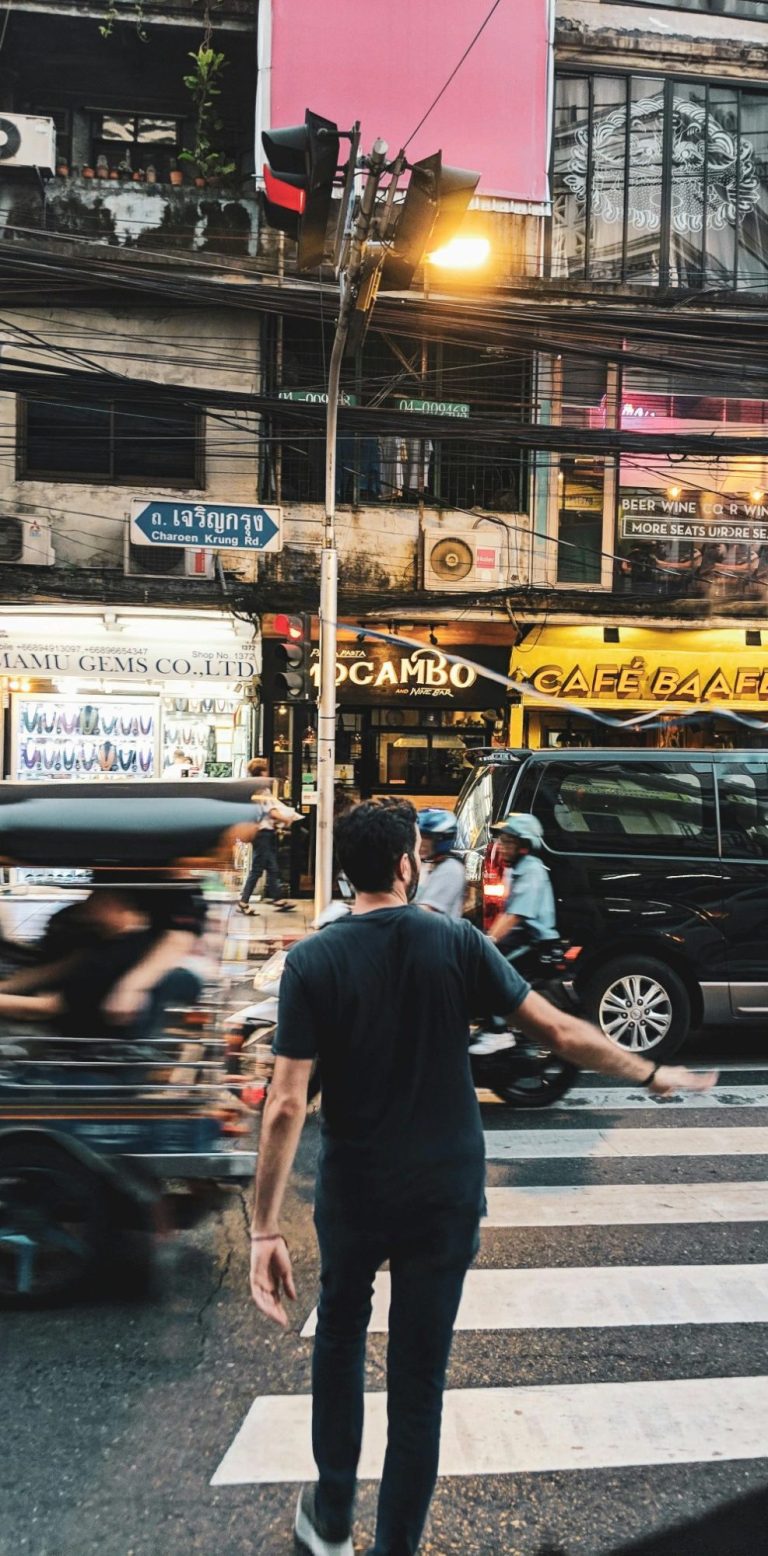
(640, 1003)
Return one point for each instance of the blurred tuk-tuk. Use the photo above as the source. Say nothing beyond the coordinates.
(102, 1107)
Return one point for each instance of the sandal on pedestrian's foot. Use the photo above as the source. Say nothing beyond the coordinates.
(245, 907)
(282, 905)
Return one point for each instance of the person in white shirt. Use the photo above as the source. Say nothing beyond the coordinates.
(442, 883)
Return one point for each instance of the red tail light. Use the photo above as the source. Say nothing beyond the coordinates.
(494, 885)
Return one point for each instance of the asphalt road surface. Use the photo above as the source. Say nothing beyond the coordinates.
(608, 1390)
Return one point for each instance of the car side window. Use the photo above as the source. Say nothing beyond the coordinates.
(743, 798)
(474, 814)
(647, 807)
(482, 804)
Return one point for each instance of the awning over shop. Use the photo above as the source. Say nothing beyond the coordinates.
(643, 669)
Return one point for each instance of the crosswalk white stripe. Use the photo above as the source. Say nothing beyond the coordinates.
(627, 1204)
(613, 1297)
(528, 1430)
(623, 1098)
(518, 1145)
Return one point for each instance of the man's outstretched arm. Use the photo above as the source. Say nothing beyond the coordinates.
(281, 1126)
(584, 1045)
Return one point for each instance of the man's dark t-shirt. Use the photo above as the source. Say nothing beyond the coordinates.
(384, 999)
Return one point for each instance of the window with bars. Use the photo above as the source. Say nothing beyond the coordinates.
(138, 140)
(391, 465)
(660, 182)
(751, 10)
(117, 442)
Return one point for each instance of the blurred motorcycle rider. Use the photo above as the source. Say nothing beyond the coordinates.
(529, 913)
(442, 883)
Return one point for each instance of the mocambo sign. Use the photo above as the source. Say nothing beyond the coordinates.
(382, 673)
(419, 672)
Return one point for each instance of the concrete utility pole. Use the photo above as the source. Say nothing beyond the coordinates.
(349, 284)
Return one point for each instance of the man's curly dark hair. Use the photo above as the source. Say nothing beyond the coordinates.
(371, 840)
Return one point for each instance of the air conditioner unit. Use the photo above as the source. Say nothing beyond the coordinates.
(25, 541)
(168, 562)
(462, 557)
(27, 140)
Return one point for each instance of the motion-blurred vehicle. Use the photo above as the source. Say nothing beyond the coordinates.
(97, 1126)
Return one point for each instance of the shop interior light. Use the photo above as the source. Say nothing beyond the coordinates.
(674, 492)
(757, 495)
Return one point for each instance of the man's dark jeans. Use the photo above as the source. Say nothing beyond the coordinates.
(429, 1256)
(263, 861)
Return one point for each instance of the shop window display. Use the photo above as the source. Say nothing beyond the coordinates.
(201, 728)
(65, 738)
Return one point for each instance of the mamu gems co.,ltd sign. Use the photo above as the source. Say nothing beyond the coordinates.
(383, 673)
(641, 679)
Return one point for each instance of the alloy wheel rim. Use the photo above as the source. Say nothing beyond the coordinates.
(636, 1012)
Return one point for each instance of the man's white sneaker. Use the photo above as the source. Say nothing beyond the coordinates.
(492, 1042)
(311, 1535)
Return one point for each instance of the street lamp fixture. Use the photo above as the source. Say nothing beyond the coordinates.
(461, 254)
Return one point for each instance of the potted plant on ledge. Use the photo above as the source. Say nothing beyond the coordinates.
(203, 83)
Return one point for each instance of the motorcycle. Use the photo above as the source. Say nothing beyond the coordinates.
(517, 1069)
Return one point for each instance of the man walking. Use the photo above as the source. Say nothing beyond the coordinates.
(264, 859)
(384, 997)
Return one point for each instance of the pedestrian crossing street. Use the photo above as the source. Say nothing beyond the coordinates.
(609, 1215)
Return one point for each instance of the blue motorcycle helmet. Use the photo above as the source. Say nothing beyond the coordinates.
(441, 828)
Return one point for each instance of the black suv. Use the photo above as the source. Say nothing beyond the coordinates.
(659, 862)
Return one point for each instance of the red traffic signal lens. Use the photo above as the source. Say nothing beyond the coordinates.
(289, 627)
(279, 191)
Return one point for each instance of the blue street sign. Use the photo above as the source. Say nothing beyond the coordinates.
(206, 526)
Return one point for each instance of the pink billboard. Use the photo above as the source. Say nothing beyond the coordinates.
(385, 64)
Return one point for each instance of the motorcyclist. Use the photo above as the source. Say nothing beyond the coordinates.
(528, 915)
(529, 912)
(442, 883)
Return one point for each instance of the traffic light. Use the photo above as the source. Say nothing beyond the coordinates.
(293, 682)
(435, 202)
(298, 179)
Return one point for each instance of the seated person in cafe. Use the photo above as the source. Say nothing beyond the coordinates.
(110, 965)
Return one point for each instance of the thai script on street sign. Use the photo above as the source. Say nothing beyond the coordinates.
(206, 526)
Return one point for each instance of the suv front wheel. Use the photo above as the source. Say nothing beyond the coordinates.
(641, 1004)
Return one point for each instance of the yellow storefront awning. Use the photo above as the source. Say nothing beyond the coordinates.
(644, 669)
